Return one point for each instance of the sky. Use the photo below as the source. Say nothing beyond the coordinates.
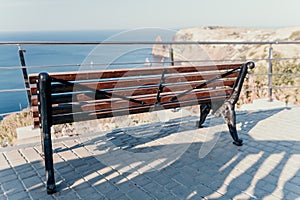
(45, 15)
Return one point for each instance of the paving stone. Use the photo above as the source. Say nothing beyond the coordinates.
(23, 168)
(6, 172)
(292, 195)
(181, 191)
(23, 175)
(85, 171)
(8, 177)
(126, 186)
(13, 186)
(78, 163)
(84, 192)
(117, 195)
(19, 196)
(32, 182)
(268, 186)
(66, 195)
(171, 197)
(260, 193)
(61, 165)
(66, 168)
(71, 176)
(39, 193)
(105, 187)
(30, 154)
(13, 155)
(203, 190)
(169, 172)
(38, 164)
(142, 180)
(185, 179)
(2, 197)
(139, 194)
(293, 187)
(171, 185)
(156, 190)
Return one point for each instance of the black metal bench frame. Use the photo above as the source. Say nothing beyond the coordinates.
(226, 108)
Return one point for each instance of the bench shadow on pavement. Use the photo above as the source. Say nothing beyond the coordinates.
(197, 176)
(225, 172)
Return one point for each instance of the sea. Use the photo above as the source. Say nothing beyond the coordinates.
(58, 58)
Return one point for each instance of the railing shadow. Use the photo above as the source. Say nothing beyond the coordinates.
(260, 168)
(220, 162)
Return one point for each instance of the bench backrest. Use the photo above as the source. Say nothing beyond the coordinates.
(86, 95)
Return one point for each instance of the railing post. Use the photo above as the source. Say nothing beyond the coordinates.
(25, 75)
(171, 56)
(270, 72)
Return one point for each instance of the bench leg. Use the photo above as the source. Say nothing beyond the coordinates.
(44, 97)
(204, 111)
(50, 180)
(230, 118)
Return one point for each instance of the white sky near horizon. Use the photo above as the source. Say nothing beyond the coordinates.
(44, 15)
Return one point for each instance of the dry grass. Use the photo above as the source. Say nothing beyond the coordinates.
(9, 124)
(295, 35)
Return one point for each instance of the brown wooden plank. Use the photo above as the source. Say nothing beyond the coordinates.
(34, 100)
(115, 73)
(68, 118)
(65, 98)
(36, 122)
(149, 100)
(60, 88)
(153, 90)
(118, 103)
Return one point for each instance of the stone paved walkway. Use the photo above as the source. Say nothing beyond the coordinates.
(171, 160)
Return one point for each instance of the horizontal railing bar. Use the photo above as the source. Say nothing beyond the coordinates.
(113, 64)
(285, 87)
(141, 63)
(137, 63)
(276, 74)
(147, 42)
(274, 87)
(14, 90)
(9, 113)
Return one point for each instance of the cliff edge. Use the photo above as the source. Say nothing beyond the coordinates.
(286, 64)
(232, 52)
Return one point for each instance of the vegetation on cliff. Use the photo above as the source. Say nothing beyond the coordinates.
(285, 70)
(10, 123)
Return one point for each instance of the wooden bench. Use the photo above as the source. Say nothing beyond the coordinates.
(77, 96)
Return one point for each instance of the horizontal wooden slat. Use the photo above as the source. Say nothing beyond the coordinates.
(64, 98)
(82, 116)
(60, 88)
(36, 122)
(149, 100)
(68, 118)
(153, 90)
(115, 73)
(119, 103)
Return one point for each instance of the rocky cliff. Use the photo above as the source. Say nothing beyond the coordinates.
(214, 54)
(221, 52)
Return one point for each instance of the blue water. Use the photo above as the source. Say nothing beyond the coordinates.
(55, 55)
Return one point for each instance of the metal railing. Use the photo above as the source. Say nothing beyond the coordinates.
(269, 59)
